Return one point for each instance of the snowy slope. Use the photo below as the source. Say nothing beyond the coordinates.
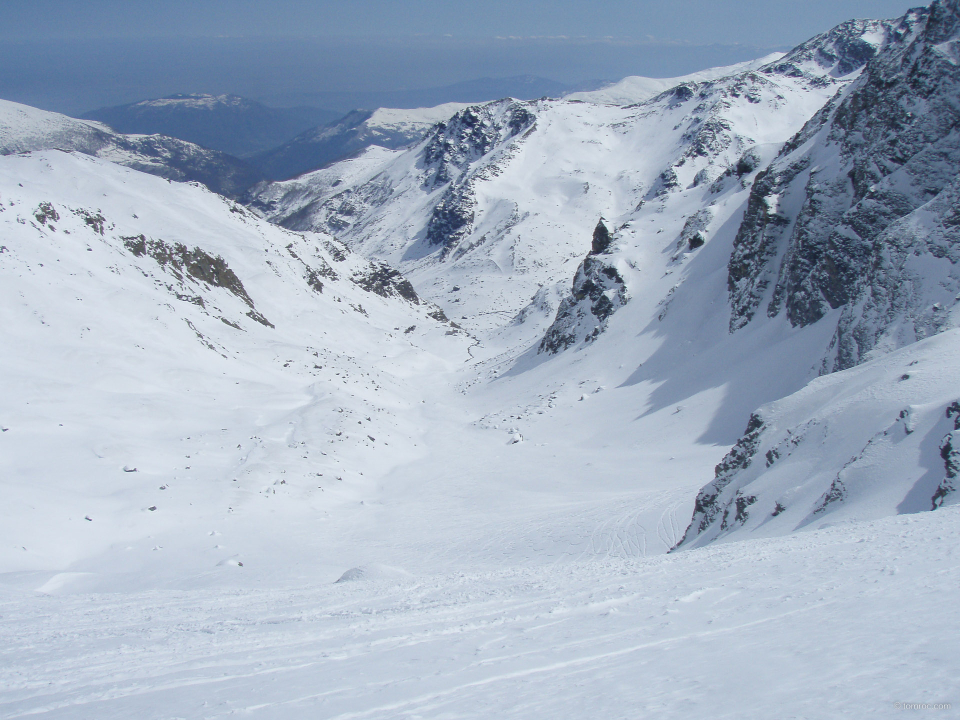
(636, 89)
(872, 441)
(247, 471)
(847, 622)
(360, 129)
(167, 356)
(495, 213)
(25, 129)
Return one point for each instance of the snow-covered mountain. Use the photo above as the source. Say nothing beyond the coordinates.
(169, 357)
(501, 201)
(305, 492)
(854, 227)
(636, 89)
(25, 129)
(360, 129)
(496, 210)
(228, 123)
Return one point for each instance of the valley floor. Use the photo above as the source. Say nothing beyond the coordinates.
(844, 622)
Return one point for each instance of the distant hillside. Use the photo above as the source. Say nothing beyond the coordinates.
(317, 147)
(227, 123)
(28, 129)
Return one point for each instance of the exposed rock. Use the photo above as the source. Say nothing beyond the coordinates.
(712, 503)
(195, 264)
(946, 493)
(598, 292)
(601, 239)
(862, 198)
(469, 135)
(385, 281)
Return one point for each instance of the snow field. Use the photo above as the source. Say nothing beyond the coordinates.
(838, 623)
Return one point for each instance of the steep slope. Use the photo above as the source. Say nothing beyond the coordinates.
(317, 147)
(855, 223)
(26, 129)
(868, 442)
(853, 228)
(228, 123)
(171, 360)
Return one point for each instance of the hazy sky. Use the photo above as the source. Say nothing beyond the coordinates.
(76, 55)
(754, 22)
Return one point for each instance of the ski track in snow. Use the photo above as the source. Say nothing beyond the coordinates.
(743, 630)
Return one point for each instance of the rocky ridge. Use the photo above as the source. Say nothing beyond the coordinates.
(859, 209)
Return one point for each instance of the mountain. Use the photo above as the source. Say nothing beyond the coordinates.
(636, 89)
(634, 232)
(27, 129)
(554, 398)
(502, 199)
(317, 147)
(854, 226)
(168, 355)
(228, 123)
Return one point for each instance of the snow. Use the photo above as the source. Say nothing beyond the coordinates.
(24, 128)
(202, 101)
(839, 623)
(229, 491)
(636, 88)
(413, 120)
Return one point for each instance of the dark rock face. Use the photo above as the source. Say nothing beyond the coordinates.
(841, 51)
(196, 265)
(469, 135)
(452, 218)
(950, 452)
(601, 239)
(712, 503)
(598, 292)
(844, 216)
(385, 281)
(454, 146)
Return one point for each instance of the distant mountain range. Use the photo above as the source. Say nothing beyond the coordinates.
(227, 123)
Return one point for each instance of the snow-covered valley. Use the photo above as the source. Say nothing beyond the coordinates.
(652, 430)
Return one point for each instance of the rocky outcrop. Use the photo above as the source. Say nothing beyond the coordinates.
(860, 205)
(598, 292)
(194, 265)
(469, 135)
(946, 493)
(385, 281)
(715, 506)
